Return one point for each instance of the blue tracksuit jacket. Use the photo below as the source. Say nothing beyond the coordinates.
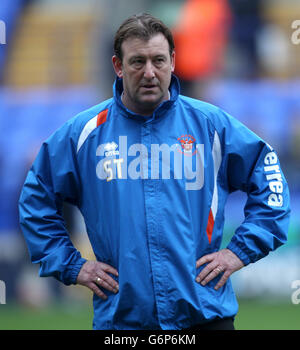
(152, 192)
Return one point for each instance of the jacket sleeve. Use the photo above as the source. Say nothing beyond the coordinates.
(252, 166)
(51, 180)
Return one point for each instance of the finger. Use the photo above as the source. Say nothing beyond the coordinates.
(108, 279)
(222, 280)
(105, 281)
(212, 274)
(205, 259)
(206, 271)
(94, 288)
(109, 269)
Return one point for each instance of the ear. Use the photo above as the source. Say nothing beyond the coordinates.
(173, 62)
(117, 64)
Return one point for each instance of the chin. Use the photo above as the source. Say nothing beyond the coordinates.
(150, 99)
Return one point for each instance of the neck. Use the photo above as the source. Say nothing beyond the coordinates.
(142, 111)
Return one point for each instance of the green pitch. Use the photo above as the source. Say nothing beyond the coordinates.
(253, 315)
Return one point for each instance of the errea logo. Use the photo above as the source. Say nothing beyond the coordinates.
(2, 33)
(111, 149)
(274, 178)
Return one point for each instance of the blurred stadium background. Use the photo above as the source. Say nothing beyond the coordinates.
(55, 61)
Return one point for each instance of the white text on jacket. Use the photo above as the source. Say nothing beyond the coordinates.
(155, 162)
(274, 176)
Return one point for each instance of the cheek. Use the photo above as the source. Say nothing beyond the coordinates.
(134, 79)
(166, 79)
(130, 84)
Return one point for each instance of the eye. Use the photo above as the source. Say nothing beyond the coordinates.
(159, 61)
(137, 62)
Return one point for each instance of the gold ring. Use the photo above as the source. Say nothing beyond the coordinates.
(218, 269)
(98, 279)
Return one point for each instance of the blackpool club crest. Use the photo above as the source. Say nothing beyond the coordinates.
(187, 143)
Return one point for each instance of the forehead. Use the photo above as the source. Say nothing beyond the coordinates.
(156, 45)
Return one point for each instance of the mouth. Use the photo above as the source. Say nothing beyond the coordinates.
(148, 87)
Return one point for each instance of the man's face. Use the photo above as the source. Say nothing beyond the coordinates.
(146, 70)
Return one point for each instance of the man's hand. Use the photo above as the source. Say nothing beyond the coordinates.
(223, 261)
(94, 274)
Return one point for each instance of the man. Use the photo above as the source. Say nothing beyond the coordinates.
(150, 170)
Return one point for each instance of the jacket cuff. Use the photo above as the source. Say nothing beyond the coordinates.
(236, 248)
(71, 273)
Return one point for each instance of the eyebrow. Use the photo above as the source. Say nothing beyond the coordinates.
(132, 58)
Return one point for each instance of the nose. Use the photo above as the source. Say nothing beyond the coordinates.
(149, 70)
